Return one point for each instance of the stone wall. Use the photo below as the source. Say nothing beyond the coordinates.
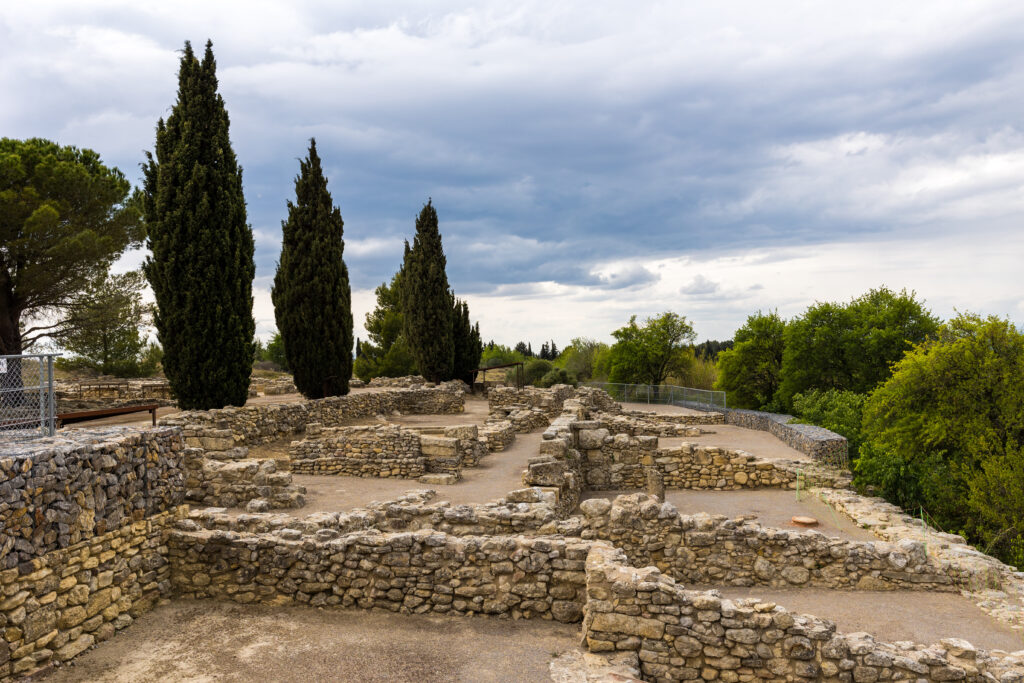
(410, 572)
(548, 400)
(817, 442)
(59, 491)
(67, 600)
(705, 549)
(387, 451)
(371, 451)
(394, 382)
(524, 511)
(621, 462)
(498, 434)
(258, 424)
(694, 635)
(644, 424)
(235, 482)
(84, 520)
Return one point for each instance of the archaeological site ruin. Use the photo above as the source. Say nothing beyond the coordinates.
(659, 539)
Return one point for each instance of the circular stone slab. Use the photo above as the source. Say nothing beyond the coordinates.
(800, 520)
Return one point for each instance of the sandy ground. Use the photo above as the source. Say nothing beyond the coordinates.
(497, 474)
(660, 408)
(217, 641)
(753, 441)
(921, 616)
(771, 507)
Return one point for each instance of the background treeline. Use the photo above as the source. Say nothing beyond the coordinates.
(933, 410)
(66, 218)
(658, 351)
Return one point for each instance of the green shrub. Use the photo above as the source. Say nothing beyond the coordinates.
(839, 411)
(554, 376)
(534, 370)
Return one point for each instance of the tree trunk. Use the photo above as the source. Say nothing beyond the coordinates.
(12, 399)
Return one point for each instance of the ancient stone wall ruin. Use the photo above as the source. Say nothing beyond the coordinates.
(257, 424)
(97, 540)
(706, 549)
(409, 572)
(692, 635)
(84, 520)
(622, 462)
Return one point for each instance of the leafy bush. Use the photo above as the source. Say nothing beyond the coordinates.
(945, 432)
(851, 346)
(534, 370)
(836, 410)
(555, 376)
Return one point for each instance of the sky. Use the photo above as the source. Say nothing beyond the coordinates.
(588, 160)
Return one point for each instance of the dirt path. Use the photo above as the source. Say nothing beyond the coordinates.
(497, 474)
(771, 507)
(217, 641)
(921, 616)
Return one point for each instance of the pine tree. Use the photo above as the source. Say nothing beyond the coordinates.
(544, 351)
(426, 301)
(553, 351)
(467, 344)
(201, 267)
(311, 294)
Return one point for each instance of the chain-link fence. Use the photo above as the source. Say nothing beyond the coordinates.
(662, 393)
(27, 406)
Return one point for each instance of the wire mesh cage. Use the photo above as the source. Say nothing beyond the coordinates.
(27, 406)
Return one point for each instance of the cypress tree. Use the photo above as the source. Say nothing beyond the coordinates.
(201, 267)
(311, 295)
(426, 301)
(466, 341)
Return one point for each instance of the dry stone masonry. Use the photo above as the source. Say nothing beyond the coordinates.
(94, 535)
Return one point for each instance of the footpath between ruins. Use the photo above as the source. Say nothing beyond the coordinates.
(416, 532)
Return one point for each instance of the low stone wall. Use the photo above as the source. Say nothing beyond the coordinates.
(498, 434)
(523, 420)
(996, 588)
(694, 635)
(816, 442)
(411, 572)
(258, 424)
(525, 511)
(705, 549)
(649, 424)
(387, 451)
(373, 451)
(658, 419)
(548, 400)
(63, 490)
(233, 483)
(393, 382)
(622, 462)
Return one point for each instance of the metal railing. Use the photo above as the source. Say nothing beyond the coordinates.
(27, 406)
(668, 394)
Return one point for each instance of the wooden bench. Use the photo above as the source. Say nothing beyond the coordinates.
(83, 415)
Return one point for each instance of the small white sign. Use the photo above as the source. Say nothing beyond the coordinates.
(3, 365)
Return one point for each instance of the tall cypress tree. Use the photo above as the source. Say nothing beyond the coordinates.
(311, 294)
(426, 301)
(466, 341)
(201, 267)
